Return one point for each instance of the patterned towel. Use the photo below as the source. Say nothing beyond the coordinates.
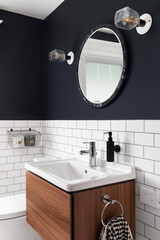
(116, 228)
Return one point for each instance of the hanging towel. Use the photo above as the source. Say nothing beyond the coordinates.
(116, 228)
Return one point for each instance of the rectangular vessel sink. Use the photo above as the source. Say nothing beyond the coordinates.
(73, 175)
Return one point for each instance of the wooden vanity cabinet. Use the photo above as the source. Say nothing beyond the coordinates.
(57, 215)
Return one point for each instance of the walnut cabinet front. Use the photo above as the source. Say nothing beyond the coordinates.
(57, 215)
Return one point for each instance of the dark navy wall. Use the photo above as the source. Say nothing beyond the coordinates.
(20, 67)
(66, 29)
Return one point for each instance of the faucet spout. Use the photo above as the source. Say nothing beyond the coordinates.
(92, 153)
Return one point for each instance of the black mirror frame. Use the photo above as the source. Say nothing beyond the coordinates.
(124, 69)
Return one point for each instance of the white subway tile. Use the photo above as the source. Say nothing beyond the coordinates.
(27, 158)
(3, 146)
(138, 203)
(157, 140)
(72, 124)
(3, 190)
(21, 151)
(56, 123)
(64, 124)
(6, 182)
(101, 145)
(13, 159)
(49, 123)
(144, 165)
(134, 150)
(125, 137)
(152, 180)
(118, 125)
(152, 153)
(125, 159)
(60, 131)
(19, 180)
(158, 223)
(14, 173)
(6, 167)
(98, 135)
(68, 148)
(91, 124)
(34, 123)
(82, 124)
(20, 124)
(3, 175)
(135, 125)
(104, 125)
(139, 227)
(76, 133)
(7, 124)
(157, 168)
(144, 139)
(86, 134)
(152, 126)
(152, 210)
(3, 138)
(12, 188)
(34, 150)
(68, 132)
(152, 233)
(3, 160)
(19, 165)
(145, 217)
(140, 176)
(140, 237)
(3, 131)
(72, 141)
(64, 140)
(23, 186)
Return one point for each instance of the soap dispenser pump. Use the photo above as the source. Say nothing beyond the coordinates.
(111, 148)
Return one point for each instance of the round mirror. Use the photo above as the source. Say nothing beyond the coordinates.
(102, 65)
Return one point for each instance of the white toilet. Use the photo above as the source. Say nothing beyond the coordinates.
(13, 225)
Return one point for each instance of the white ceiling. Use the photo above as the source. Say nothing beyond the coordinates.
(33, 8)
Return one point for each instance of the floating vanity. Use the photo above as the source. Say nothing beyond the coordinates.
(65, 197)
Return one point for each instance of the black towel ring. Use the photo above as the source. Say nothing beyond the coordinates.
(105, 200)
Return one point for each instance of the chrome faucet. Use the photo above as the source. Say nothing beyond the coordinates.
(92, 153)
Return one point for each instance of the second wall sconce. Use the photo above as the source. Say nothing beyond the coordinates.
(60, 56)
(127, 18)
(1, 21)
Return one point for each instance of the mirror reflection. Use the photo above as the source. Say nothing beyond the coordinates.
(100, 66)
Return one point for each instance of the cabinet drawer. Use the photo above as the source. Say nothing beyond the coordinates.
(48, 209)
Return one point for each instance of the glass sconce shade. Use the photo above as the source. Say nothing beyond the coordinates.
(57, 56)
(127, 18)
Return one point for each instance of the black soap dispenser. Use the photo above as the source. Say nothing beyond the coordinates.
(111, 148)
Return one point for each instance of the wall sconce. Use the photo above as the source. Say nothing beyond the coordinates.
(1, 21)
(127, 18)
(60, 56)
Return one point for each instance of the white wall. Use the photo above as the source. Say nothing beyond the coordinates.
(140, 145)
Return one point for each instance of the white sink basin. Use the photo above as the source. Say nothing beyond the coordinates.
(73, 175)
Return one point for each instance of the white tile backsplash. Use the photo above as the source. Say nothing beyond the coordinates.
(140, 146)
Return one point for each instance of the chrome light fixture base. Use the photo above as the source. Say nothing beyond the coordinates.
(148, 23)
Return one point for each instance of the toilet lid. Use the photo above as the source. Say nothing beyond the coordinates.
(12, 206)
